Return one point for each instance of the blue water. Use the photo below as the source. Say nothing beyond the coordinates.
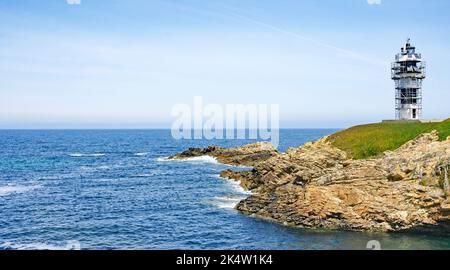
(114, 190)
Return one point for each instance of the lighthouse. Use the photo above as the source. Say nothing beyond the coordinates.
(408, 73)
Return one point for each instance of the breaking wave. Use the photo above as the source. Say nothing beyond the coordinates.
(162, 159)
(206, 159)
(234, 185)
(200, 159)
(236, 194)
(145, 175)
(87, 155)
(227, 202)
(14, 189)
(70, 245)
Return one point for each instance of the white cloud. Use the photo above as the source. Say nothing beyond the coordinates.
(374, 2)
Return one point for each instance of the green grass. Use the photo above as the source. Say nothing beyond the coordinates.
(367, 141)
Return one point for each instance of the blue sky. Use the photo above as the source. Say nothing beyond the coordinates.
(125, 63)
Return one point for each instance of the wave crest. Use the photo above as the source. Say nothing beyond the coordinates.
(70, 245)
(14, 189)
(227, 202)
(87, 155)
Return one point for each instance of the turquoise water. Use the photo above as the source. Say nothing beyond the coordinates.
(115, 190)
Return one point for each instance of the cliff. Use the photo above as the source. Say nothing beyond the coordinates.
(319, 186)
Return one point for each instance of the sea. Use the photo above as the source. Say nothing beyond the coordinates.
(116, 189)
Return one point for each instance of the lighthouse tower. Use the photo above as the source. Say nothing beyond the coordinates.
(408, 72)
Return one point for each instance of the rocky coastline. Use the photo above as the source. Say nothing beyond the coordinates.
(318, 186)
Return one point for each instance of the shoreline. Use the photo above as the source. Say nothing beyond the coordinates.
(318, 186)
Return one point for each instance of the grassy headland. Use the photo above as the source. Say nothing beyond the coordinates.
(367, 141)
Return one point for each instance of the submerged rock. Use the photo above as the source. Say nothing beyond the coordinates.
(318, 186)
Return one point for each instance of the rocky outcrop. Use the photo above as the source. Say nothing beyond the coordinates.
(247, 155)
(318, 186)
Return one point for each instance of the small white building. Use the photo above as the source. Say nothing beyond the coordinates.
(408, 72)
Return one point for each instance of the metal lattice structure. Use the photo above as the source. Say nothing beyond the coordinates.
(408, 72)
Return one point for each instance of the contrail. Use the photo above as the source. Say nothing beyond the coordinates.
(344, 52)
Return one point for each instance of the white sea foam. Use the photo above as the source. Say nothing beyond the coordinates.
(13, 189)
(227, 202)
(97, 155)
(234, 185)
(87, 155)
(70, 245)
(206, 159)
(145, 175)
(200, 159)
(52, 177)
(141, 154)
(163, 159)
(230, 201)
